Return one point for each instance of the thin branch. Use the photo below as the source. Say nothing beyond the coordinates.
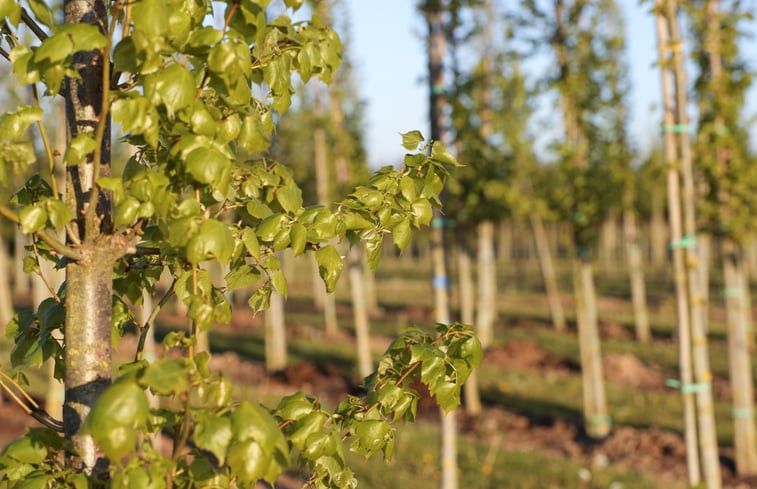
(46, 142)
(150, 320)
(41, 275)
(29, 405)
(45, 236)
(102, 123)
(32, 24)
(5, 54)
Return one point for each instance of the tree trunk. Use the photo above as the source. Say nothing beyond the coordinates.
(705, 257)
(360, 313)
(636, 273)
(658, 245)
(548, 272)
(467, 314)
(6, 299)
(679, 264)
(275, 335)
(20, 279)
(708, 442)
(744, 434)
(597, 421)
(371, 295)
(436, 50)
(487, 284)
(504, 243)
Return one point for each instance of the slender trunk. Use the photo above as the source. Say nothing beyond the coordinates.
(371, 295)
(705, 409)
(636, 273)
(436, 50)
(744, 434)
(487, 284)
(360, 313)
(704, 242)
(6, 299)
(275, 335)
(322, 299)
(149, 352)
(657, 235)
(679, 265)
(609, 248)
(548, 272)
(747, 295)
(504, 243)
(467, 314)
(20, 279)
(597, 421)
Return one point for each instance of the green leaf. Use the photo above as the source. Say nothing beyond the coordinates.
(372, 435)
(242, 276)
(271, 226)
(42, 12)
(251, 421)
(10, 9)
(293, 4)
(290, 197)
(126, 212)
(33, 218)
(260, 300)
(25, 450)
(13, 124)
(411, 140)
(279, 282)
(207, 165)
(401, 234)
(250, 240)
(86, 37)
(175, 88)
(306, 426)
(441, 154)
(151, 18)
(58, 213)
(167, 376)
(55, 48)
(329, 266)
(214, 435)
(115, 415)
(295, 406)
(79, 147)
(213, 239)
(299, 238)
(422, 212)
(248, 461)
(253, 136)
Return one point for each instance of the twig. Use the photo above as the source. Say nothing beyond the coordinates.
(150, 320)
(29, 406)
(41, 275)
(32, 24)
(46, 142)
(48, 238)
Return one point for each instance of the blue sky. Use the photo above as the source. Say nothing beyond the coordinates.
(387, 47)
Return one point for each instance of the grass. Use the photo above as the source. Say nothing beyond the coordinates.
(485, 466)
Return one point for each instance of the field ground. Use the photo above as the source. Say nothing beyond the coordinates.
(530, 434)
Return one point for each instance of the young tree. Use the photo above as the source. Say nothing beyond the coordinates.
(723, 156)
(701, 440)
(182, 92)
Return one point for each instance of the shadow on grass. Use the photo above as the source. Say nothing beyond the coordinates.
(538, 411)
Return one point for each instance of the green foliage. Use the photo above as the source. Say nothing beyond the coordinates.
(722, 144)
(197, 104)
